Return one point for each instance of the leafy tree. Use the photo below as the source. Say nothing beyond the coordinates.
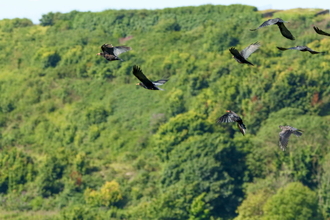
(109, 194)
(17, 168)
(50, 175)
(252, 206)
(208, 163)
(295, 201)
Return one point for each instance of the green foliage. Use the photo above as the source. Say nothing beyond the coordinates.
(9, 25)
(167, 25)
(295, 201)
(96, 115)
(179, 129)
(79, 140)
(324, 187)
(58, 19)
(198, 209)
(78, 212)
(51, 172)
(16, 169)
(47, 19)
(207, 162)
(252, 207)
(109, 194)
(47, 58)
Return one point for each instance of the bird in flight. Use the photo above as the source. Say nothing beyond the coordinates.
(245, 53)
(111, 53)
(301, 48)
(280, 23)
(285, 134)
(145, 82)
(231, 116)
(319, 31)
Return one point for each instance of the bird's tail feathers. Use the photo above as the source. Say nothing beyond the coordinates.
(282, 147)
(242, 128)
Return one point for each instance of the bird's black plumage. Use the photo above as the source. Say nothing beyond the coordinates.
(145, 82)
(301, 48)
(319, 31)
(231, 116)
(280, 23)
(245, 53)
(285, 135)
(111, 53)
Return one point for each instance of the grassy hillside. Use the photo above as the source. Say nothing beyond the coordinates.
(79, 140)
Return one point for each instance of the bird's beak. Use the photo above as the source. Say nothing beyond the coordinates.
(137, 84)
(227, 111)
(98, 54)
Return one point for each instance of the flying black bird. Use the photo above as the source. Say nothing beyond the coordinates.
(111, 53)
(145, 82)
(285, 134)
(301, 48)
(245, 53)
(232, 117)
(317, 30)
(280, 23)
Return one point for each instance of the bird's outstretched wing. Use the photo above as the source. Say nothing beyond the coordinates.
(295, 131)
(160, 82)
(284, 31)
(319, 31)
(284, 138)
(312, 51)
(114, 50)
(120, 49)
(246, 52)
(298, 133)
(300, 48)
(227, 118)
(267, 23)
(139, 74)
(282, 48)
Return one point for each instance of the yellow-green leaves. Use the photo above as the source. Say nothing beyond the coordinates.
(107, 195)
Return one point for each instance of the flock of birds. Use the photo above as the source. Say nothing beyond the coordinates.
(111, 53)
